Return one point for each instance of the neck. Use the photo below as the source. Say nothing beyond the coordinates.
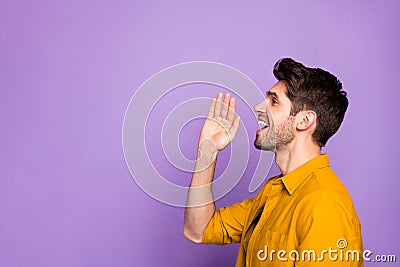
(295, 154)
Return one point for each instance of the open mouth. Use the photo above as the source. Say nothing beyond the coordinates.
(263, 125)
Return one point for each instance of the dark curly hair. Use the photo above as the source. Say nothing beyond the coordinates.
(314, 89)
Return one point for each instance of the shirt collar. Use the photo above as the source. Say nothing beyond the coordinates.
(293, 179)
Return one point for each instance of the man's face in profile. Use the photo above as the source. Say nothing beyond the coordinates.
(277, 127)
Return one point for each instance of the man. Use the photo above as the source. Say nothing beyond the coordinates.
(303, 217)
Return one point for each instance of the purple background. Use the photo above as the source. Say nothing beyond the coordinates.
(69, 68)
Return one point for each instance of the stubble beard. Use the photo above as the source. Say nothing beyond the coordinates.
(273, 140)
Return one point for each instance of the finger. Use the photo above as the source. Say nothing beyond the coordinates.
(211, 109)
(217, 109)
(234, 128)
(231, 110)
(225, 105)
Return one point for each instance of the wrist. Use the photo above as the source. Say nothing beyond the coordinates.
(207, 149)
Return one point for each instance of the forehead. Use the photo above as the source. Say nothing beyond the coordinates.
(279, 88)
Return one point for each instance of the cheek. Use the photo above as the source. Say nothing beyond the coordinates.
(278, 119)
(280, 114)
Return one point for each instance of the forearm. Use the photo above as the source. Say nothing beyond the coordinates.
(200, 205)
(218, 131)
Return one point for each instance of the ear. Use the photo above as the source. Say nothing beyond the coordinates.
(306, 119)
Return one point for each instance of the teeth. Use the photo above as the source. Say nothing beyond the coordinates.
(262, 124)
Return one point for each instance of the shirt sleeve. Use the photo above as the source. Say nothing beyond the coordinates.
(334, 236)
(226, 225)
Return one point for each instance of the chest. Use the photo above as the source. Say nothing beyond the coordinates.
(271, 224)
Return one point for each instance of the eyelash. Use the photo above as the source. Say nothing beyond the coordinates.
(274, 102)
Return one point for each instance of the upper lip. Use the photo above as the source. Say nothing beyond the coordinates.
(263, 120)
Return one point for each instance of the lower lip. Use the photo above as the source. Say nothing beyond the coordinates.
(260, 130)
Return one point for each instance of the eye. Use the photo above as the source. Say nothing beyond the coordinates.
(274, 102)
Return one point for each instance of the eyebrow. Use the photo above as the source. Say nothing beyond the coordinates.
(269, 93)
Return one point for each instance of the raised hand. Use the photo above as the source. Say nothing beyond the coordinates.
(218, 131)
(221, 125)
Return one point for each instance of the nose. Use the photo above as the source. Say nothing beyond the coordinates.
(261, 107)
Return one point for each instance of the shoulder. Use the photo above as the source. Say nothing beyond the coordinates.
(326, 200)
(324, 184)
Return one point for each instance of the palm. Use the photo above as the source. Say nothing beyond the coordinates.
(221, 124)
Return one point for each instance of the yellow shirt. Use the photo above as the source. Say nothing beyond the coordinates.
(305, 218)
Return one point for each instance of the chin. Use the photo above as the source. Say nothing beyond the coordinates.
(266, 147)
(257, 145)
